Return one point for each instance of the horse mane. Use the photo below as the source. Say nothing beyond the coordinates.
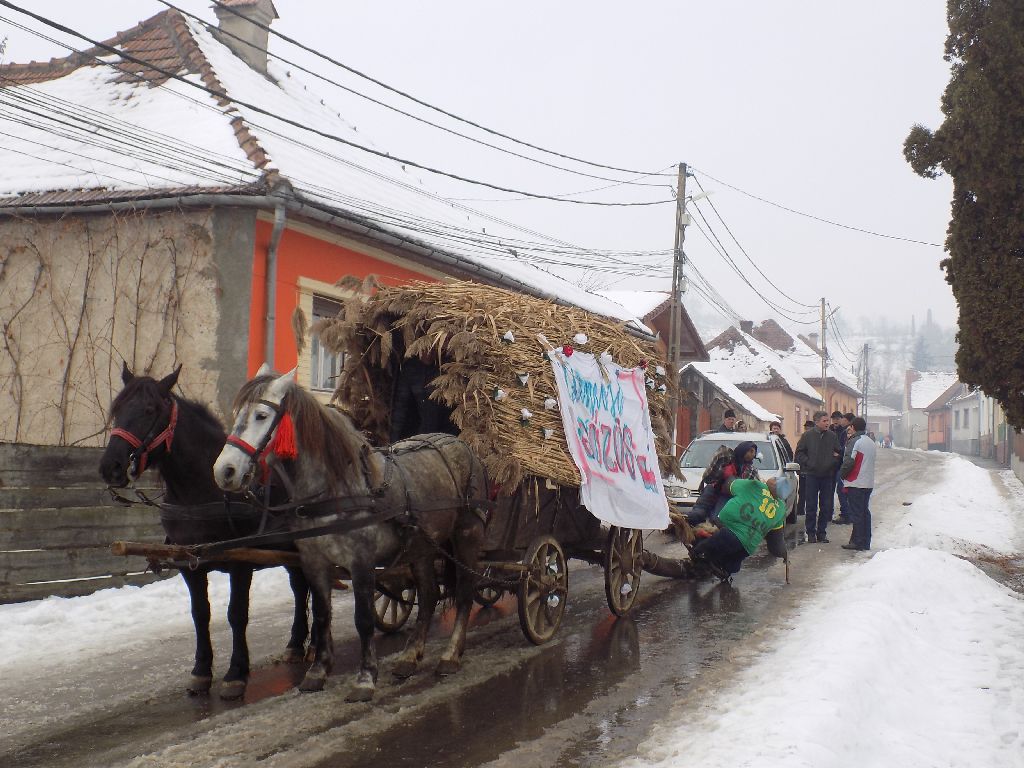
(147, 389)
(324, 434)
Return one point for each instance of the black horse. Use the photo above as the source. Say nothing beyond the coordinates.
(182, 439)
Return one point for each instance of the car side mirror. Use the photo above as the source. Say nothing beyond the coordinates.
(792, 466)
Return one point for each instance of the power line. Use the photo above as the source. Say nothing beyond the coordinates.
(799, 304)
(333, 137)
(818, 218)
(723, 252)
(395, 109)
(412, 98)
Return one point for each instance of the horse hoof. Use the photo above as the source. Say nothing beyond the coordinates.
(447, 667)
(293, 656)
(404, 669)
(360, 692)
(313, 682)
(197, 685)
(232, 690)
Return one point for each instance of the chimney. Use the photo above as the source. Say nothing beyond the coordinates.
(813, 338)
(241, 20)
(747, 326)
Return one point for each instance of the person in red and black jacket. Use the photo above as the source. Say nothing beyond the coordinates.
(711, 496)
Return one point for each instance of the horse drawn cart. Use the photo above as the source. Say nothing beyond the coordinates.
(496, 369)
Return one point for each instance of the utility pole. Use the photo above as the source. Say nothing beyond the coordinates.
(867, 377)
(824, 359)
(675, 332)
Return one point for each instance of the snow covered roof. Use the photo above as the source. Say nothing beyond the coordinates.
(929, 386)
(78, 131)
(802, 356)
(747, 362)
(640, 303)
(739, 398)
(879, 411)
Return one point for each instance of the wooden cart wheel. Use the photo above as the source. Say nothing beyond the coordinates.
(392, 609)
(543, 590)
(623, 555)
(487, 595)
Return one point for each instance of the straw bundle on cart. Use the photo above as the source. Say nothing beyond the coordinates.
(489, 345)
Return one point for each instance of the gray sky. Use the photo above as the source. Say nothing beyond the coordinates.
(802, 103)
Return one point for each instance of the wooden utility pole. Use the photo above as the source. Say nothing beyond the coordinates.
(867, 376)
(824, 360)
(676, 305)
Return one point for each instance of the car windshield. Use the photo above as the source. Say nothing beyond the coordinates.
(698, 454)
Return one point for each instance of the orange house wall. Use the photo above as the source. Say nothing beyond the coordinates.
(301, 255)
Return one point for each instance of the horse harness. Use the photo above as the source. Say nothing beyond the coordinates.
(376, 505)
(142, 447)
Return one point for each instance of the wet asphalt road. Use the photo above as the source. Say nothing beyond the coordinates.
(589, 696)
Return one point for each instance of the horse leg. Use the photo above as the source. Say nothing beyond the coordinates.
(363, 584)
(240, 579)
(199, 598)
(466, 544)
(295, 651)
(323, 644)
(427, 594)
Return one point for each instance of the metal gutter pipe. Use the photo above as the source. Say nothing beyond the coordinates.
(270, 291)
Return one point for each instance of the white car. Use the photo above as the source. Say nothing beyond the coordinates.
(770, 462)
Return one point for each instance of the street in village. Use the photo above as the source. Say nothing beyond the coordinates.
(97, 680)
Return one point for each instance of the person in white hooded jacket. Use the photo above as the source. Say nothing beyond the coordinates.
(858, 473)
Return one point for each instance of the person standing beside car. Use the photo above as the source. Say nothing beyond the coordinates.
(787, 449)
(818, 455)
(858, 471)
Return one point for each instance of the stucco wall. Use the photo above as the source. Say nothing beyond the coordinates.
(80, 293)
(785, 404)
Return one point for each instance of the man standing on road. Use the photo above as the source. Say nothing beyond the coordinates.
(858, 471)
(776, 429)
(818, 455)
(840, 422)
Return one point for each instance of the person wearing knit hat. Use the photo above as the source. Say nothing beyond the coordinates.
(728, 421)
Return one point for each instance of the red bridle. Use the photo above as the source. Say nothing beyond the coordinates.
(165, 438)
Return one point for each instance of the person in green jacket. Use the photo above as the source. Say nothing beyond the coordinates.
(755, 513)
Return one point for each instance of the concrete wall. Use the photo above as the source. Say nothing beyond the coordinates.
(80, 293)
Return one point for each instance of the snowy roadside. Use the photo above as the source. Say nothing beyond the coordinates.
(914, 656)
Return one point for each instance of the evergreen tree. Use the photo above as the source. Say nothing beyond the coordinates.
(979, 145)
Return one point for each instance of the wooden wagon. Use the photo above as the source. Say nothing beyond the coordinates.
(486, 354)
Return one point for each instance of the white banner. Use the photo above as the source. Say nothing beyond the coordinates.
(608, 427)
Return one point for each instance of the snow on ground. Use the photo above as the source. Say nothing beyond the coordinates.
(912, 657)
(81, 627)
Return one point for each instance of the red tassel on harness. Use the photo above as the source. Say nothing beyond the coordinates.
(283, 445)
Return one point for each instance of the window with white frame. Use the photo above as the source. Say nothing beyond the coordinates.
(324, 366)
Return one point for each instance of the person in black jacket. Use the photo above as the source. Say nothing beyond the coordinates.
(818, 455)
(843, 518)
(728, 421)
(776, 429)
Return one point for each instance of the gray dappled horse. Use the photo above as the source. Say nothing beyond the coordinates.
(153, 427)
(362, 508)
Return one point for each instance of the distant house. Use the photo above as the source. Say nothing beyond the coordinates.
(713, 393)
(758, 371)
(147, 220)
(966, 407)
(882, 420)
(922, 390)
(838, 388)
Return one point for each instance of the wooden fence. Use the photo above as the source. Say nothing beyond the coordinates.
(57, 522)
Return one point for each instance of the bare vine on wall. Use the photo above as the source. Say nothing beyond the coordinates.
(78, 295)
